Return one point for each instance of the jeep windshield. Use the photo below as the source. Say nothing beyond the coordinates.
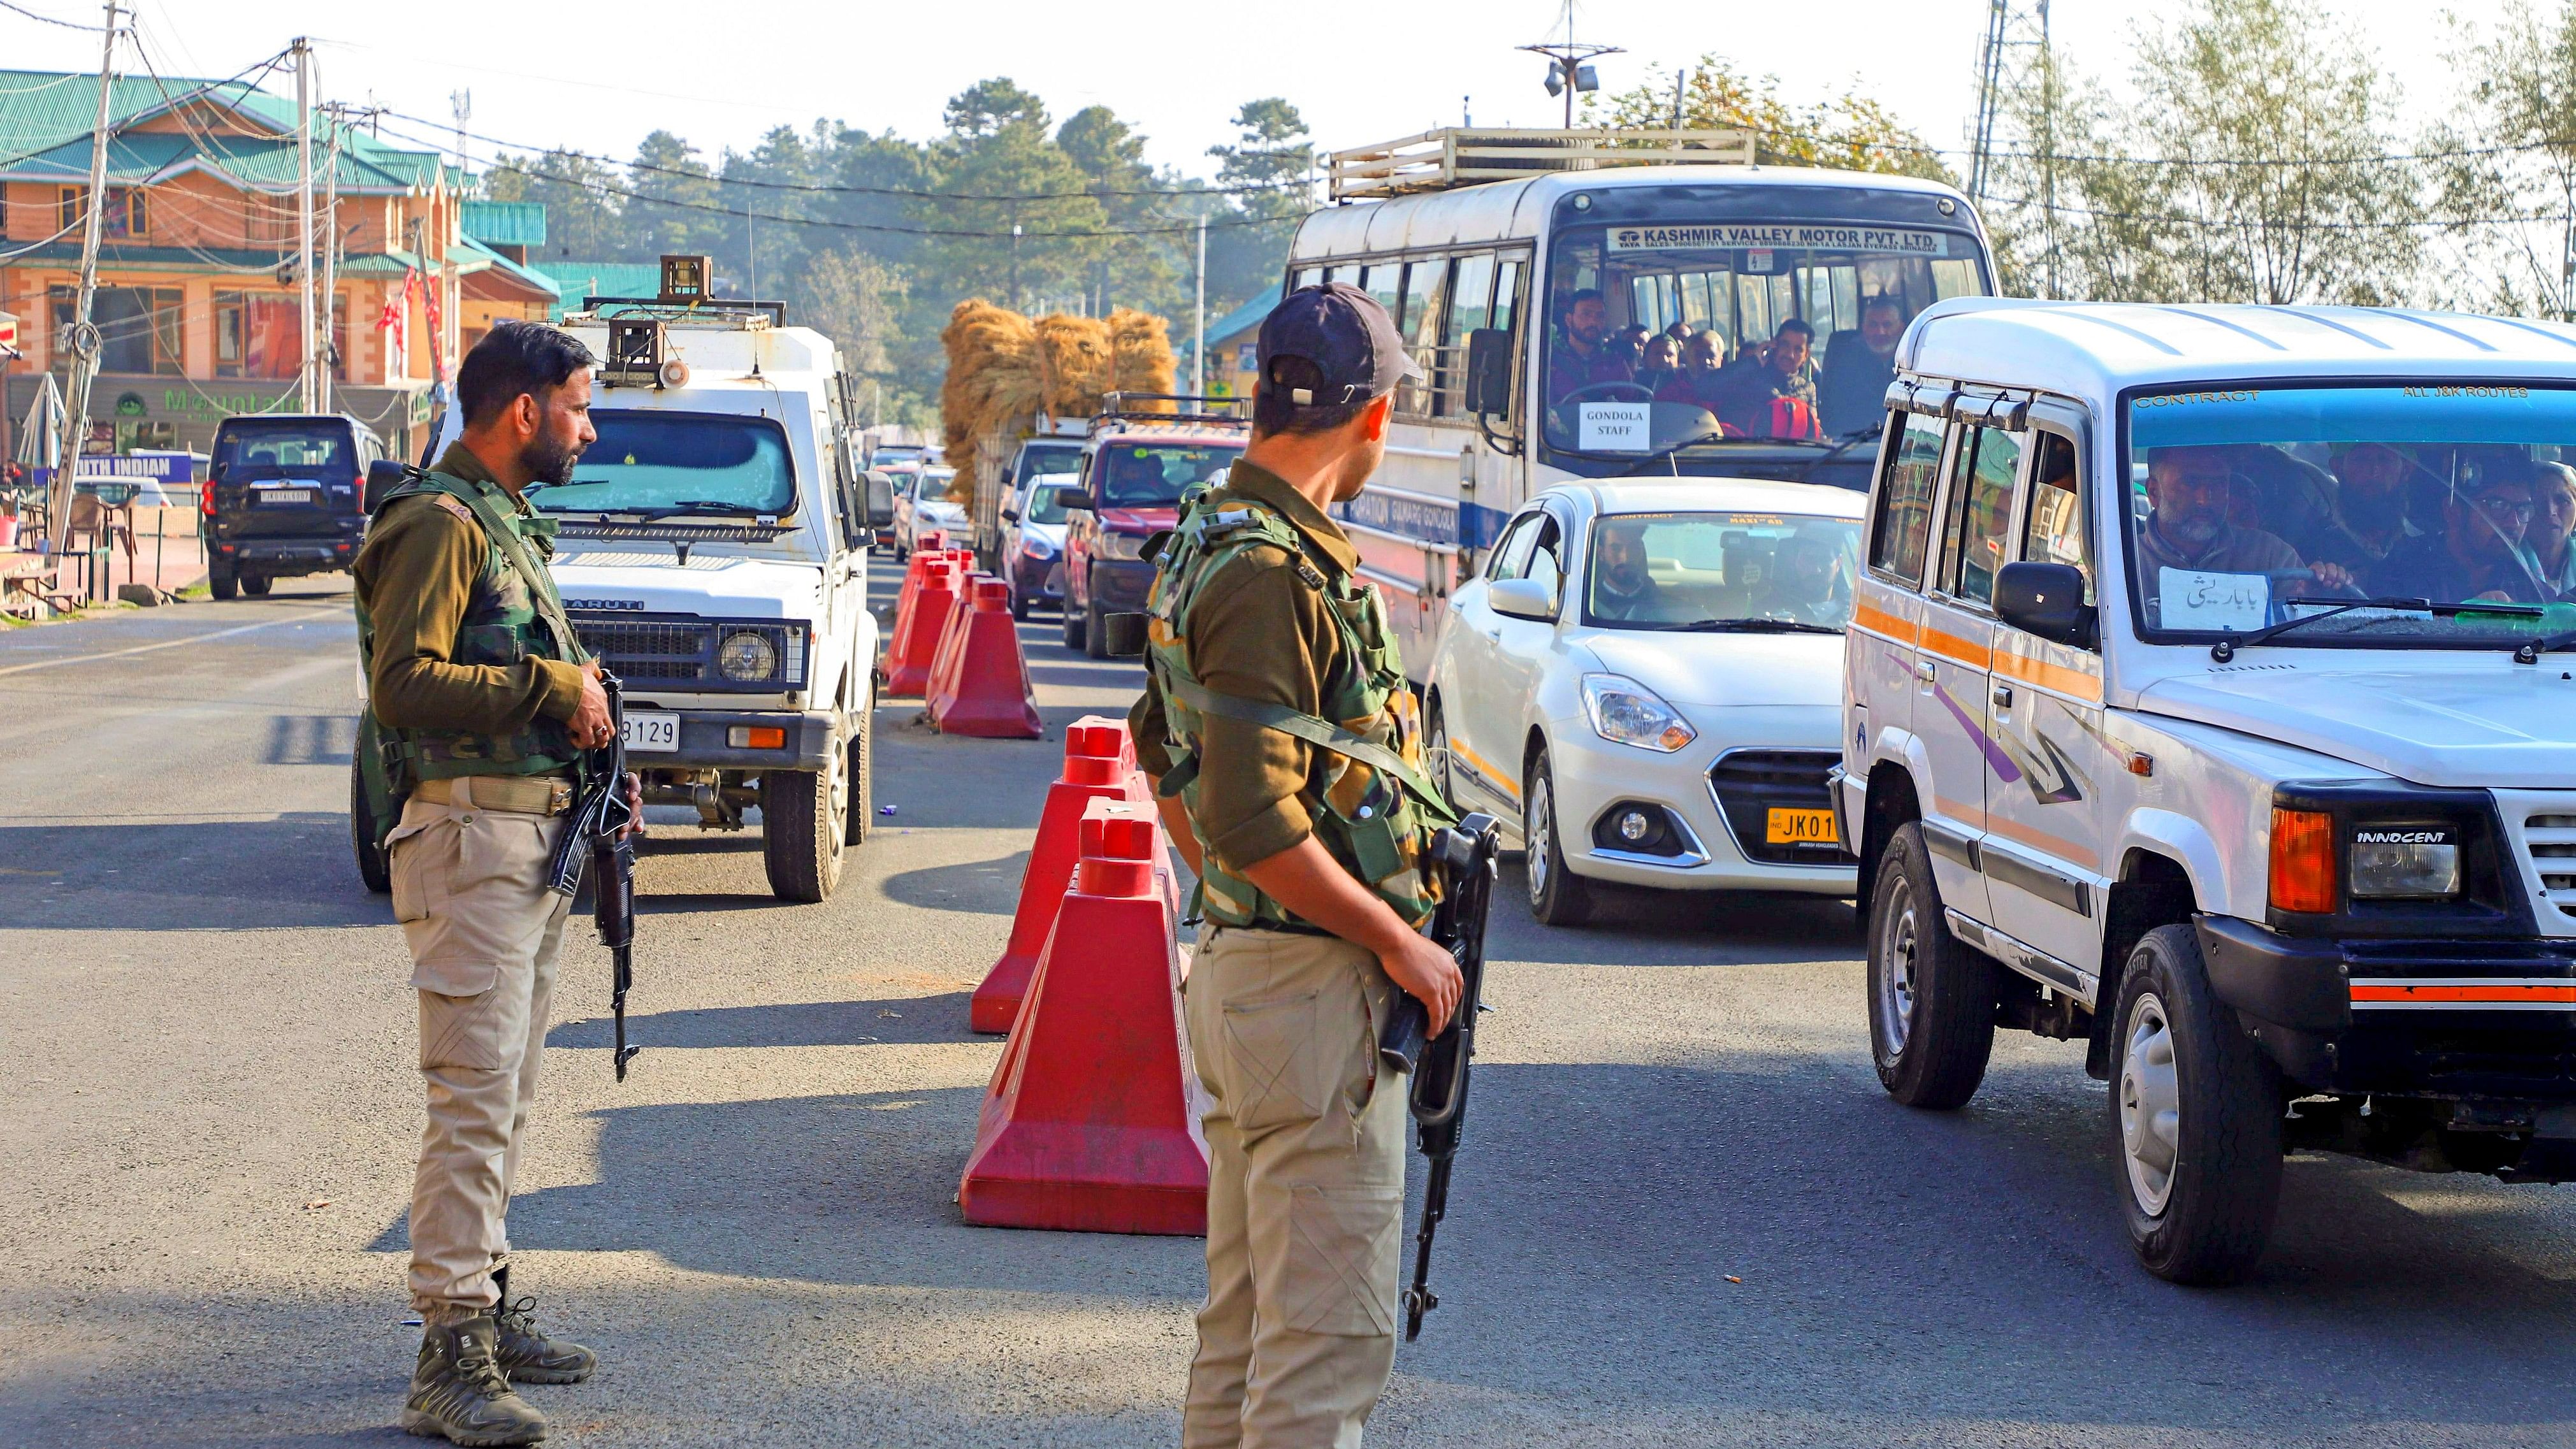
(1685, 338)
(1722, 572)
(1152, 475)
(2443, 506)
(665, 464)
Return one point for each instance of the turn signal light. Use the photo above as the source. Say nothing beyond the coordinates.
(2303, 861)
(206, 499)
(756, 737)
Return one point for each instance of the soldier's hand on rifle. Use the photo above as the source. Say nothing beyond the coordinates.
(1427, 972)
(590, 726)
(634, 804)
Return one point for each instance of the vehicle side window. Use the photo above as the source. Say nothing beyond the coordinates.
(1308, 277)
(1902, 531)
(1386, 283)
(2055, 532)
(1546, 560)
(1512, 554)
(1985, 467)
(1471, 294)
(1424, 284)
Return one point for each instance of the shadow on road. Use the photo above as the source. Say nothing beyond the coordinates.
(986, 887)
(1633, 926)
(294, 870)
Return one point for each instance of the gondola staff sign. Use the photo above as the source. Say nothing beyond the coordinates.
(1612, 427)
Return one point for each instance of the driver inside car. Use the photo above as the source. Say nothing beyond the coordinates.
(1622, 588)
(2189, 493)
(1803, 585)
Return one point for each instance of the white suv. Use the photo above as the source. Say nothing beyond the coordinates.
(2204, 703)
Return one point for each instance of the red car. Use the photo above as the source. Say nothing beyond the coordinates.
(1133, 475)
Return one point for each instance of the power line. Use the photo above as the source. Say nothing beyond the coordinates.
(50, 20)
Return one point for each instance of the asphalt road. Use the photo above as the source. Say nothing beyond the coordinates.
(207, 1116)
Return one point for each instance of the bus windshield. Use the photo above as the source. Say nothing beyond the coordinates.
(1667, 335)
(2384, 516)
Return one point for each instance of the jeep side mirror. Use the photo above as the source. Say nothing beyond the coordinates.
(383, 476)
(1489, 370)
(1077, 500)
(880, 501)
(2046, 599)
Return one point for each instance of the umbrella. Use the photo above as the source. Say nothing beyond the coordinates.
(40, 437)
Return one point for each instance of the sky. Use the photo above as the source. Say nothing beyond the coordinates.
(597, 78)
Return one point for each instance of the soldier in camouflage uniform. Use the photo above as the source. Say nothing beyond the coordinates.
(483, 701)
(1287, 761)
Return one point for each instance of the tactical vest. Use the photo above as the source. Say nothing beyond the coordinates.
(1378, 806)
(512, 612)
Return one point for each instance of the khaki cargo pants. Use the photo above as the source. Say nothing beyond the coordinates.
(1305, 1191)
(469, 889)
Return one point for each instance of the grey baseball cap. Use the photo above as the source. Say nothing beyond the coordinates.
(1348, 337)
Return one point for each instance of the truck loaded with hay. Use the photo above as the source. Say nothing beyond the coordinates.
(1022, 390)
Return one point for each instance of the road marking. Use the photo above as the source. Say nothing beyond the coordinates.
(148, 648)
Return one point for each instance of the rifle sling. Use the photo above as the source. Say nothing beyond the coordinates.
(1321, 733)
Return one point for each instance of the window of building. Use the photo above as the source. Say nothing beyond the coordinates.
(261, 335)
(138, 327)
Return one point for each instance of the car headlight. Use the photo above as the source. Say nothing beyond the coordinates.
(2405, 862)
(1036, 547)
(746, 657)
(1121, 545)
(1625, 712)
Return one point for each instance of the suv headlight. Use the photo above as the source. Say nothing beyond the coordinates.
(2405, 862)
(1625, 712)
(1121, 545)
(746, 657)
(1036, 547)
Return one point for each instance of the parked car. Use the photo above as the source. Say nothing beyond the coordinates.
(922, 504)
(1133, 472)
(1033, 527)
(285, 496)
(1647, 680)
(2206, 704)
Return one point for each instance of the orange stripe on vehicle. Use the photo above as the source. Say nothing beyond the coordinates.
(2083, 684)
(2065, 850)
(1961, 811)
(2555, 993)
(1486, 768)
(1956, 649)
(1879, 621)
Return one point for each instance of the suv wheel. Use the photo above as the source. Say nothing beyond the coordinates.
(2195, 1119)
(1075, 635)
(862, 790)
(1095, 635)
(1019, 602)
(1557, 896)
(1931, 998)
(257, 585)
(1435, 750)
(374, 871)
(221, 580)
(804, 828)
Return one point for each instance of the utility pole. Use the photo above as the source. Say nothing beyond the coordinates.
(335, 117)
(1015, 264)
(461, 105)
(304, 216)
(1198, 351)
(1571, 71)
(82, 340)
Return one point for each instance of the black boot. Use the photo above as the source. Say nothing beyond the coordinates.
(527, 1356)
(458, 1393)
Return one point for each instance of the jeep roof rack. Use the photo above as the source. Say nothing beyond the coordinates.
(1120, 407)
(1454, 156)
(718, 312)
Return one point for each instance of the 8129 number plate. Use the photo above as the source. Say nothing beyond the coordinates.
(652, 732)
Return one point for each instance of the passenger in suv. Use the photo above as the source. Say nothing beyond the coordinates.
(284, 497)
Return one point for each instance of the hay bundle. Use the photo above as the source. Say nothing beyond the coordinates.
(1140, 345)
(1004, 370)
(992, 377)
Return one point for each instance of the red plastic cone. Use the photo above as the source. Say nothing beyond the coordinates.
(980, 686)
(1091, 1123)
(1099, 764)
(908, 597)
(908, 659)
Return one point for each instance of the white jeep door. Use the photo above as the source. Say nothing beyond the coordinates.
(1954, 663)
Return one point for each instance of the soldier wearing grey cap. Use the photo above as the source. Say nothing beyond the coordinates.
(1312, 884)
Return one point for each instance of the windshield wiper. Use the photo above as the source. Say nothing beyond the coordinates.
(2225, 649)
(1747, 626)
(684, 507)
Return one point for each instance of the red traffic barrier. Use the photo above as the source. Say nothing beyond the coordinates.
(916, 641)
(909, 594)
(1091, 1123)
(979, 685)
(1099, 764)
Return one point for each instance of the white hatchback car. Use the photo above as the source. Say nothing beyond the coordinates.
(928, 504)
(1647, 679)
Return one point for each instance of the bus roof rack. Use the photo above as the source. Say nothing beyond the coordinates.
(1455, 156)
(713, 312)
(1186, 407)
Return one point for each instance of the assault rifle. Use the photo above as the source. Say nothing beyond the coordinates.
(1464, 854)
(600, 834)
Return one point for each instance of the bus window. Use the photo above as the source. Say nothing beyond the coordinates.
(1386, 283)
(1424, 283)
(1507, 294)
(1348, 275)
(1471, 297)
(1955, 279)
(1308, 277)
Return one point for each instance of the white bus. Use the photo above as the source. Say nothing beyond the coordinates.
(1535, 304)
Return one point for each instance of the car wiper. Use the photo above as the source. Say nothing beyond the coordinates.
(2225, 649)
(684, 507)
(1748, 626)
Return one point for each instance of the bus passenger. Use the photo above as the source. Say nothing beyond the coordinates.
(1581, 355)
(1661, 363)
(1768, 374)
(1702, 381)
(1852, 393)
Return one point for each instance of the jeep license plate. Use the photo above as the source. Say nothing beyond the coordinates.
(285, 495)
(1799, 827)
(652, 732)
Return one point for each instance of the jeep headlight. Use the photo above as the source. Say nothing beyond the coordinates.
(1122, 545)
(1625, 712)
(746, 657)
(2405, 862)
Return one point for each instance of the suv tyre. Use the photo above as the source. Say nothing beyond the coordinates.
(1931, 998)
(221, 580)
(257, 585)
(1557, 896)
(1075, 635)
(1095, 637)
(863, 802)
(804, 828)
(2195, 1119)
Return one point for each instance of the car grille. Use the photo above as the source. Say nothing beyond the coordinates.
(2550, 838)
(1748, 783)
(675, 651)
